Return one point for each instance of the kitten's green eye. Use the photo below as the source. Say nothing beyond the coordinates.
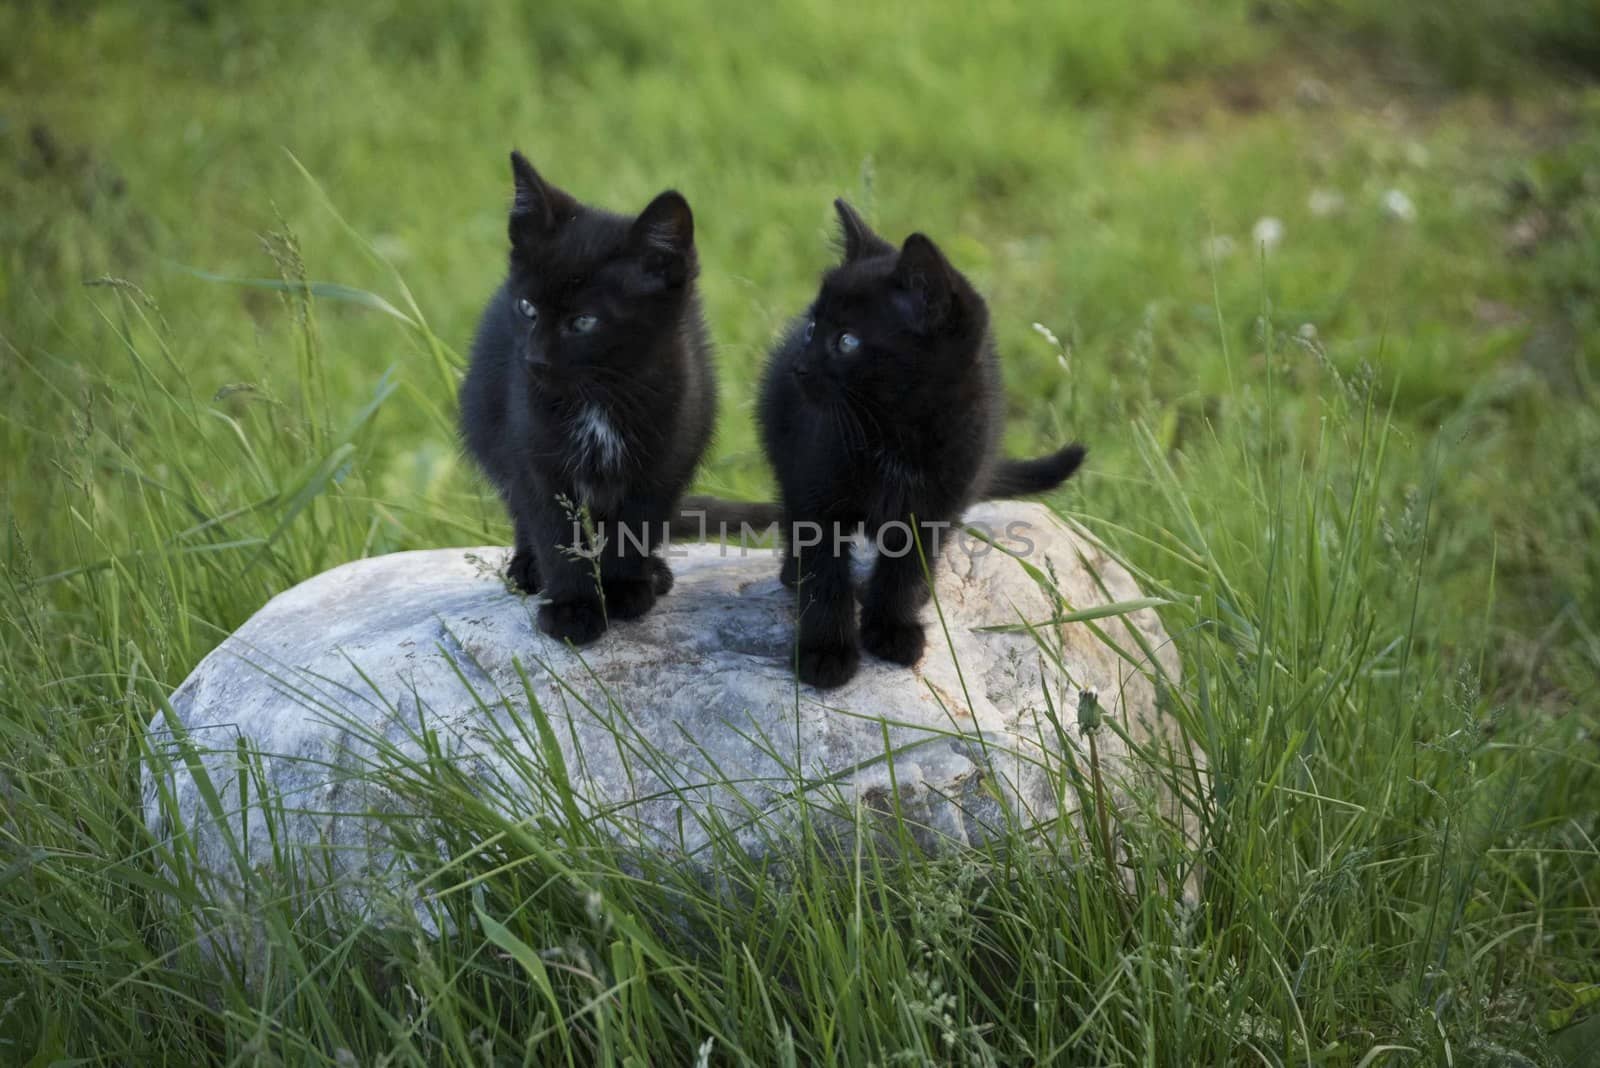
(582, 324)
(811, 329)
(526, 309)
(847, 344)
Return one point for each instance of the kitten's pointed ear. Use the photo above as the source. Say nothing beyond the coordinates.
(857, 237)
(925, 281)
(537, 208)
(663, 238)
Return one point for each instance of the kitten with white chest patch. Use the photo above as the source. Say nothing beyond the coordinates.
(591, 385)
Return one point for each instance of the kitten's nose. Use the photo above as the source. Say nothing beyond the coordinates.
(802, 369)
(536, 358)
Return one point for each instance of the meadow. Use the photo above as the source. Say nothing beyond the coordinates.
(1318, 281)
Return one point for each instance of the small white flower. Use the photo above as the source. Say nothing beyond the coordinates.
(1218, 247)
(1398, 206)
(1308, 331)
(391, 247)
(1325, 202)
(1267, 234)
(1312, 93)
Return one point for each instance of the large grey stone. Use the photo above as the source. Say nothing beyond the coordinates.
(686, 720)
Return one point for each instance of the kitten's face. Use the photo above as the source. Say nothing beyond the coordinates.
(884, 316)
(594, 294)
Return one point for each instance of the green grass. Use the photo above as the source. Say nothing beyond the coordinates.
(1363, 467)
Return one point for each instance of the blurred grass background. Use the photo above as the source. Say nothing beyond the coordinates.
(175, 450)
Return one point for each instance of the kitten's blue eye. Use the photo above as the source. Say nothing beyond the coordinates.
(811, 328)
(526, 309)
(847, 344)
(582, 324)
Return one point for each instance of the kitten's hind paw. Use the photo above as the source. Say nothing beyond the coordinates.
(827, 666)
(629, 598)
(660, 576)
(899, 643)
(578, 621)
(523, 571)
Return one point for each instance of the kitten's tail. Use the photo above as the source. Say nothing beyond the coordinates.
(710, 518)
(705, 518)
(1019, 478)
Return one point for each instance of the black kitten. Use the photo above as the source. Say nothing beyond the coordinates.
(591, 385)
(881, 404)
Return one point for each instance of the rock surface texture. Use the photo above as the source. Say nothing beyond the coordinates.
(682, 725)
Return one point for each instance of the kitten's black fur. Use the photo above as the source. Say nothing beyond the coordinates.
(906, 425)
(605, 396)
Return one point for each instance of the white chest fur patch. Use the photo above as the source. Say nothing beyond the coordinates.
(599, 444)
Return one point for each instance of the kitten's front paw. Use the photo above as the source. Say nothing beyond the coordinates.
(629, 598)
(899, 643)
(523, 571)
(578, 621)
(827, 666)
(660, 576)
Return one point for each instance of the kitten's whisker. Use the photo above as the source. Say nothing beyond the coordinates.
(857, 439)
